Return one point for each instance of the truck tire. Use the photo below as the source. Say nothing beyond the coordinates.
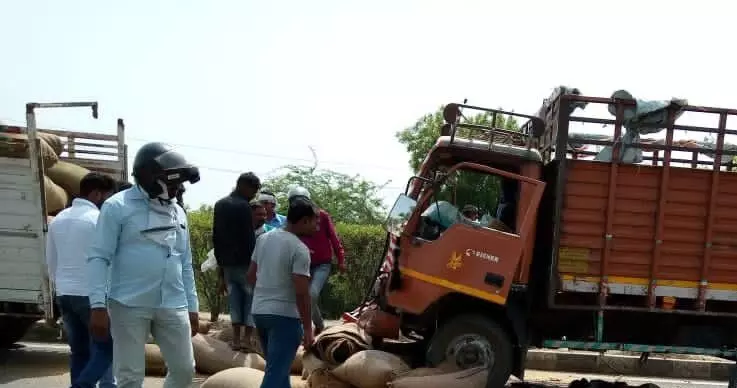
(12, 329)
(471, 341)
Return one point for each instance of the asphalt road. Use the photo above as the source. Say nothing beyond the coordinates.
(45, 365)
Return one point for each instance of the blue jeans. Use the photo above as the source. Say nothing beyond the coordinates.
(318, 277)
(240, 295)
(130, 327)
(91, 360)
(280, 338)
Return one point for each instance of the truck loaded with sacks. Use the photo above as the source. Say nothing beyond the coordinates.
(615, 228)
(40, 171)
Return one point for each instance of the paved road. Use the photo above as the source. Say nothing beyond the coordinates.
(45, 365)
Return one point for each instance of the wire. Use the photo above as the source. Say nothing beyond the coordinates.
(273, 156)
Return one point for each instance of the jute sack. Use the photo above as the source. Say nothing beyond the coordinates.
(255, 361)
(444, 368)
(56, 197)
(297, 382)
(322, 378)
(311, 363)
(155, 365)
(370, 369)
(235, 378)
(297, 363)
(53, 141)
(469, 378)
(337, 343)
(15, 145)
(204, 327)
(212, 355)
(67, 175)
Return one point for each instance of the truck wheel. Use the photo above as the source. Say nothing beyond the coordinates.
(470, 341)
(12, 329)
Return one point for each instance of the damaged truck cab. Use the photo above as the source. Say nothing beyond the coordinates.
(628, 234)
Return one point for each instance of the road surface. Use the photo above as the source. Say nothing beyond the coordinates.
(45, 365)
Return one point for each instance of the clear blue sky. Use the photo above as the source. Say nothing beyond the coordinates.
(268, 79)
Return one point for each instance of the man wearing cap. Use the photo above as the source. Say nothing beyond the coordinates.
(273, 219)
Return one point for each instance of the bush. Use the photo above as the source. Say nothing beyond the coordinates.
(363, 245)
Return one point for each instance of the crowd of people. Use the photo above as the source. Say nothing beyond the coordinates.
(120, 262)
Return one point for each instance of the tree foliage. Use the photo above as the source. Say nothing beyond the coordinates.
(467, 187)
(348, 199)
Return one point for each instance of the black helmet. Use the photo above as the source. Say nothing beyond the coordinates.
(159, 162)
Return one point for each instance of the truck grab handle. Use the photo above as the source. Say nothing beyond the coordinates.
(31, 106)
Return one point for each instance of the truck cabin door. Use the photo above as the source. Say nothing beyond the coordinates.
(449, 242)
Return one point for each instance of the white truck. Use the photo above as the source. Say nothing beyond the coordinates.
(25, 294)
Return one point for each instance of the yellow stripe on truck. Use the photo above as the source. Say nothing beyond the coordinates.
(475, 292)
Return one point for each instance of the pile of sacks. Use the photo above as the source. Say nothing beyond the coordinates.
(61, 179)
(340, 358)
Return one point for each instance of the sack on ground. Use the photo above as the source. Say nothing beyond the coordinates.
(212, 355)
(15, 145)
(155, 365)
(235, 378)
(337, 343)
(297, 382)
(204, 327)
(297, 363)
(469, 378)
(56, 197)
(370, 369)
(53, 141)
(311, 363)
(255, 361)
(322, 378)
(67, 175)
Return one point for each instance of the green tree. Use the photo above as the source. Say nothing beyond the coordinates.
(468, 187)
(348, 199)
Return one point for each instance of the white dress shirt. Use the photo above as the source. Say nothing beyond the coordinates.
(70, 235)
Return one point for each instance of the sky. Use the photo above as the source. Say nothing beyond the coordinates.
(251, 86)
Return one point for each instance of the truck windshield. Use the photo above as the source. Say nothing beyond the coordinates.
(400, 214)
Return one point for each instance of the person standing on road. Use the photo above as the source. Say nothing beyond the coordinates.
(322, 245)
(67, 241)
(273, 219)
(233, 238)
(280, 271)
(142, 240)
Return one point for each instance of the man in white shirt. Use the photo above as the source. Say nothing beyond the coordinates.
(69, 237)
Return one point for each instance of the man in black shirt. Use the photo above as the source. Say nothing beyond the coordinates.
(233, 239)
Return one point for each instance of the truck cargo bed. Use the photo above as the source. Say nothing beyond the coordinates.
(632, 263)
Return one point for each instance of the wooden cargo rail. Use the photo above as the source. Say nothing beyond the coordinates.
(653, 229)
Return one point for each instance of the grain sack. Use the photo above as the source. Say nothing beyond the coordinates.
(255, 361)
(322, 378)
(155, 365)
(337, 343)
(370, 369)
(297, 363)
(15, 145)
(235, 378)
(297, 382)
(212, 355)
(204, 327)
(56, 197)
(68, 176)
(53, 141)
(311, 363)
(469, 378)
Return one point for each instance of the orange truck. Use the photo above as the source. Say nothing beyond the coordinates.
(600, 242)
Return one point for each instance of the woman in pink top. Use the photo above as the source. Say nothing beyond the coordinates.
(322, 245)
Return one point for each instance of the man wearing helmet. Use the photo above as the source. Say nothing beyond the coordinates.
(142, 241)
(322, 245)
